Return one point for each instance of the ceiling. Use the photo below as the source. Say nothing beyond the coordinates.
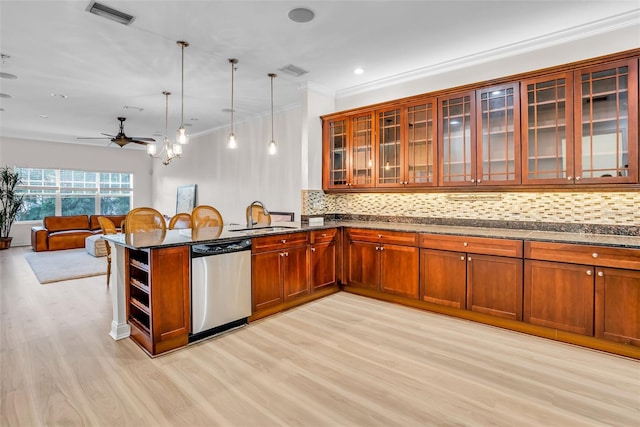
(106, 69)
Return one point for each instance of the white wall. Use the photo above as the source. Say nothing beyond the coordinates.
(230, 180)
(491, 65)
(41, 154)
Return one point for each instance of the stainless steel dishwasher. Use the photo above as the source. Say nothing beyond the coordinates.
(220, 287)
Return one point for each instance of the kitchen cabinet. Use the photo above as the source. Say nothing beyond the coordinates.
(279, 269)
(479, 137)
(606, 123)
(406, 145)
(323, 259)
(617, 305)
(383, 261)
(158, 309)
(478, 274)
(567, 286)
(581, 126)
(349, 152)
(573, 125)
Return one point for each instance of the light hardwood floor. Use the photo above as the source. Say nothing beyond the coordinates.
(344, 360)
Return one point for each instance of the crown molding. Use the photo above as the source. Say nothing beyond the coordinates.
(579, 32)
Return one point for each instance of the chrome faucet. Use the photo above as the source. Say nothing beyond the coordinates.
(250, 222)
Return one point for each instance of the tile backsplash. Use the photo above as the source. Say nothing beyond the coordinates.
(601, 208)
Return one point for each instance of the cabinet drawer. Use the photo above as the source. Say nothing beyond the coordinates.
(600, 256)
(279, 241)
(323, 236)
(383, 236)
(472, 245)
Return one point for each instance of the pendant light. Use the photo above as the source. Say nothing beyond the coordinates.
(182, 136)
(168, 152)
(232, 143)
(272, 144)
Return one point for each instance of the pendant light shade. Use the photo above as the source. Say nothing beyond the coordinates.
(182, 136)
(273, 149)
(232, 143)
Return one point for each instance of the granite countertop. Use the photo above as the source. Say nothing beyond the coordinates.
(237, 232)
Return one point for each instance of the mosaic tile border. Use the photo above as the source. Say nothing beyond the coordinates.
(616, 213)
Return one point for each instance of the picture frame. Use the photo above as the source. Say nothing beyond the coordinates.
(186, 198)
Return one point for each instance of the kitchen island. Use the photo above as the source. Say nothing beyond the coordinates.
(574, 287)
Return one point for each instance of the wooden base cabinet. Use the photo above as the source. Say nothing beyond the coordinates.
(159, 309)
(617, 305)
(323, 258)
(559, 296)
(375, 261)
(474, 273)
(443, 277)
(279, 269)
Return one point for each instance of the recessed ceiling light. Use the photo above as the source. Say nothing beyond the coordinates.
(358, 71)
(5, 95)
(8, 76)
(301, 14)
(43, 116)
(59, 95)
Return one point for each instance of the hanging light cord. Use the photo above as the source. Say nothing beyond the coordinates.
(182, 44)
(166, 116)
(232, 61)
(272, 76)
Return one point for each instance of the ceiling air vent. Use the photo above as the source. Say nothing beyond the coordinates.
(109, 13)
(292, 70)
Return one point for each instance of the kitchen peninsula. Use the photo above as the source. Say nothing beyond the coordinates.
(573, 287)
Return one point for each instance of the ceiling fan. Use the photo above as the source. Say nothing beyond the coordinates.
(121, 139)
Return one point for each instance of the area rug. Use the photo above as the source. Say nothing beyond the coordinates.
(56, 266)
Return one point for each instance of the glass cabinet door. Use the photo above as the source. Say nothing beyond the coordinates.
(457, 141)
(606, 105)
(547, 143)
(498, 153)
(338, 153)
(389, 155)
(361, 151)
(420, 144)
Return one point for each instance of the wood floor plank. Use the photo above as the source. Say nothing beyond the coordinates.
(344, 360)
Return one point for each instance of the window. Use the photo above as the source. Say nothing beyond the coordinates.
(73, 192)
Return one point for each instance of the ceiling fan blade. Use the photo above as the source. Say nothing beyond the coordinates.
(137, 141)
(106, 134)
(143, 139)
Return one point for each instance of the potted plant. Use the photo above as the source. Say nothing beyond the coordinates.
(10, 203)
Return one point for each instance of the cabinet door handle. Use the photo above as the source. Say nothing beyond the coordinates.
(600, 274)
(281, 254)
(324, 234)
(462, 258)
(283, 241)
(595, 254)
(313, 249)
(382, 248)
(473, 180)
(286, 254)
(478, 181)
(569, 178)
(465, 244)
(578, 178)
(589, 273)
(379, 236)
(377, 248)
(469, 259)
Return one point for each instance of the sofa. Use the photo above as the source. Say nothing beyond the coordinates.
(68, 232)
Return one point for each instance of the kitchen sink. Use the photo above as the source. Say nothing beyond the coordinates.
(256, 230)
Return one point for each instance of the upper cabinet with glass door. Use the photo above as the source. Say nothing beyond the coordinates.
(348, 152)
(480, 137)
(606, 123)
(406, 146)
(581, 127)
